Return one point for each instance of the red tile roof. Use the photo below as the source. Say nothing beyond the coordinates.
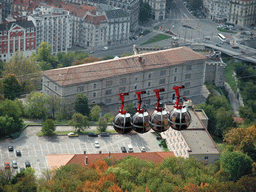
(32, 6)
(56, 161)
(75, 9)
(96, 20)
(126, 65)
(21, 2)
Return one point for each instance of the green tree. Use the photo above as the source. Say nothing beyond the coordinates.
(144, 12)
(26, 70)
(44, 57)
(224, 121)
(130, 108)
(95, 113)
(48, 127)
(37, 106)
(79, 121)
(12, 88)
(236, 164)
(54, 103)
(102, 124)
(107, 57)
(81, 104)
(109, 117)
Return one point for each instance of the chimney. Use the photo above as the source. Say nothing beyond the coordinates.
(109, 154)
(140, 59)
(86, 160)
(84, 152)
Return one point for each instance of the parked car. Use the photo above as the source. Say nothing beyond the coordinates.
(242, 52)
(104, 134)
(6, 165)
(10, 148)
(96, 144)
(18, 153)
(72, 134)
(218, 45)
(142, 149)
(91, 52)
(104, 48)
(91, 134)
(123, 149)
(14, 164)
(235, 47)
(27, 164)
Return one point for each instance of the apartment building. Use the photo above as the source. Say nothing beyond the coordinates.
(118, 26)
(6, 8)
(195, 141)
(102, 81)
(158, 9)
(242, 12)
(130, 6)
(54, 26)
(17, 36)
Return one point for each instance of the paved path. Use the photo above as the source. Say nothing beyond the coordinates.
(233, 100)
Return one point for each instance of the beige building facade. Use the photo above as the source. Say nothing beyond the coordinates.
(158, 9)
(102, 81)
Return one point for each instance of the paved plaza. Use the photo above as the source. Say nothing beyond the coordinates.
(34, 149)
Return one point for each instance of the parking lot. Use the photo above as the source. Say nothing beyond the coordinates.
(34, 149)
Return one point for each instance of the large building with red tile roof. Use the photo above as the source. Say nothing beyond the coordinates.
(102, 81)
(56, 161)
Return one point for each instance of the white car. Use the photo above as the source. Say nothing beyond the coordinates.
(96, 144)
(142, 149)
(72, 134)
(104, 48)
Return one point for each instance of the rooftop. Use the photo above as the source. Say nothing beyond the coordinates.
(96, 20)
(56, 161)
(125, 65)
(24, 24)
(116, 13)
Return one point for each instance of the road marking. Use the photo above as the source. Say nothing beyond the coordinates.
(41, 150)
(61, 148)
(67, 148)
(35, 150)
(74, 147)
(46, 162)
(47, 149)
(28, 151)
(81, 148)
(54, 148)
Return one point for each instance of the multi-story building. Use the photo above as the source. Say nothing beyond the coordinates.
(17, 36)
(118, 26)
(20, 5)
(6, 8)
(195, 141)
(54, 26)
(130, 6)
(242, 12)
(1, 11)
(158, 9)
(102, 81)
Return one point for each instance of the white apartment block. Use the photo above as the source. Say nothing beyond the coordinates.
(195, 141)
(54, 26)
(240, 12)
(102, 81)
(158, 9)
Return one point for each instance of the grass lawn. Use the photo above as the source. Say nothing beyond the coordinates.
(229, 77)
(156, 38)
(224, 30)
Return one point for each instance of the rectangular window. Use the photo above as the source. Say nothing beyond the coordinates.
(175, 78)
(187, 76)
(108, 101)
(149, 84)
(187, 84)
(94, 85)
(122, 81)
(149, 75)
(94, 94)
(108, 83)
(108, 92)
(176, 70)
(189, 67)
(163, 73)
(136, 78)
(206, 157)
(121, 89)
(80, 89)
(161, 81)
(56, 88)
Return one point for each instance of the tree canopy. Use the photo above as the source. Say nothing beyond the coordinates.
(12, 88)
(81, 105)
